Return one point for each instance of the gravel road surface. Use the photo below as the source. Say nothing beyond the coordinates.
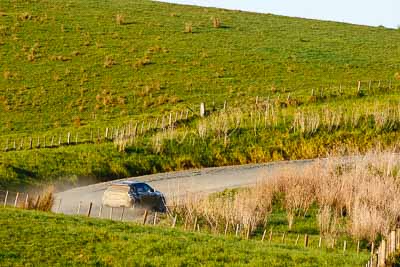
(177, 184)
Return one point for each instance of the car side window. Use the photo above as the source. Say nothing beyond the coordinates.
(142, 188)
(132, 189)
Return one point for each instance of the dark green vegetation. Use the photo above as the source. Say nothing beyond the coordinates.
(82, 65)
(66, 240)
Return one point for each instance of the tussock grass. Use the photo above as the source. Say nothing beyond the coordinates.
(357, 197)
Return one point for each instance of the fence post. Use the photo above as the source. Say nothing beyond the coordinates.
(226, 227)
(174, 221)
(59, 206)
(195, 224)
(37, 201)
(16, 200)
(155, 218)
(111, 212)
(78, 211)
(297, 239)
(358, 247)
(202, 110)
(68, 137)
(101, 210)
(248, 231)
(320, 241)
(382, 253)
(90, 209)
(5, 199)
(305, 240)
(372, 248)
(392, 241)
(344, 246)
(263, 236)
(122, 214)
(26, 201)
(237, 230)
(145, 217)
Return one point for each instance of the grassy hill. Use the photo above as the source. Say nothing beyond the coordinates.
(289, 86)
(80, 241)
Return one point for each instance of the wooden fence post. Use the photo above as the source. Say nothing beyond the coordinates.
(248, 231)
(26, 201)
(68, 137)
(174, 221)
(155, 218)
(392, 241)
(344, 246)
(226, 227)
(195, 224)
(16, 200)
(145, 217)
(101, 211)
(111, 212)
(5, 199)
(358, 247)
(263, 236)
(372, 248)
(122, 214)
(78, 211)
(90, 209)
(202, 110)
(320, 242)
(382, 253)
(305, 240)
(237, 230)
(59, 206)
(37, 201)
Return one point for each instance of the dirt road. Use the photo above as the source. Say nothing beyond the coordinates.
(177, 184)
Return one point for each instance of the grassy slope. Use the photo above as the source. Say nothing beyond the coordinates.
(56, 77)
(58, 239)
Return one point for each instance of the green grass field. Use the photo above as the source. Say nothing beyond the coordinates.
(84, 66)
(34, 238)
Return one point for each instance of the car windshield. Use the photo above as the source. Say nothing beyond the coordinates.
(143, 188)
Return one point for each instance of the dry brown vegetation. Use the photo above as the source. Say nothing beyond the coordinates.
(120, 19)
(359, 196)
(216, 23)
(188, 28)
(43, 201)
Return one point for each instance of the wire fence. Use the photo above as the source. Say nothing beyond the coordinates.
(145, 216)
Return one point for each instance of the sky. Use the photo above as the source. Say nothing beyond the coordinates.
(364, 12)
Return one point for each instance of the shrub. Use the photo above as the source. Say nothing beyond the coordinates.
(108, 62)
(216, 23)
(188, 28)
(120, 19)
